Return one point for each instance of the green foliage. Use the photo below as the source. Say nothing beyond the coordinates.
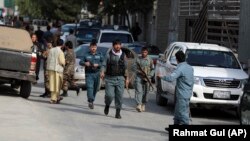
(52, 9)
(121, 6)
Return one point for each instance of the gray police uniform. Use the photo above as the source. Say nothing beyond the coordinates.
(141, 85)
(92, 74)
(114, 68)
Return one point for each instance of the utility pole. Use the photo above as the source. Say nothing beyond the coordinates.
(173, 22)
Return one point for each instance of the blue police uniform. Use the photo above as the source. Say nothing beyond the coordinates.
(115, 68)
(184, 74)
(92, 74)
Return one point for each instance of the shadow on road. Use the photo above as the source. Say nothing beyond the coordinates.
(8, 91)
(162, 133)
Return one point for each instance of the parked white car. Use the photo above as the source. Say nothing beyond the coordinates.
(81, 50)
(219, 77)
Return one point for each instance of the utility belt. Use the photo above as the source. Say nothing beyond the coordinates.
(90, 70)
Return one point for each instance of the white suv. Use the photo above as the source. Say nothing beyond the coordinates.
(219, 77)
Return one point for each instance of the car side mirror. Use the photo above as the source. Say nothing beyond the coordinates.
(161, 56)
(173, 61)
(244, 67)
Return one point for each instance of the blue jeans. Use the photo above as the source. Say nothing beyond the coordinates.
(92, 83)
(181, 111)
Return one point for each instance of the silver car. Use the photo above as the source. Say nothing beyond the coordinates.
(81, 50)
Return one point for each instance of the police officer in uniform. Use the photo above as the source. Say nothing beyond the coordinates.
(68, 73)
(141, 84)
(92, 61)
(115, 72)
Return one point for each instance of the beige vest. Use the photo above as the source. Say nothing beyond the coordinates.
(54, 63)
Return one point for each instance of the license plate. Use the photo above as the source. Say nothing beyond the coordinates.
(221, 94)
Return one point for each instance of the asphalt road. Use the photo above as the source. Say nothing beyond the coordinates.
(35, 119)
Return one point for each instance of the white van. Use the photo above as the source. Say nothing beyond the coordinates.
(219, 77)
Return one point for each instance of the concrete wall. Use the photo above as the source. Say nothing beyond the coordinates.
(244, 33)
(1, 3)
(162, 23)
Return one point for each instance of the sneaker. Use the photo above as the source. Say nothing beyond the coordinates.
(143, 107)
(138, 108)
(91, 105)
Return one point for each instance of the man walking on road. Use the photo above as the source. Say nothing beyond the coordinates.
(184, 74)
(55, 65)
(114, 68)
(92, 61)
(141, 84)
(68, 73)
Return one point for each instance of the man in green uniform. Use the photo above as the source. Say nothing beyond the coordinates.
(114, 68)
(141, 84)
(68, 73)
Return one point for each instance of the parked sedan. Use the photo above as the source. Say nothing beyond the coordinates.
(245, 105)
(81, 50)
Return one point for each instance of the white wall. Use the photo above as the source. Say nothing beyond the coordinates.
(1, 3)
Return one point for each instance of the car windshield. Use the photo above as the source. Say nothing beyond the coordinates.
(82, 50)
(65, 28)
(110, 37)
(212, 58)
(87, 34)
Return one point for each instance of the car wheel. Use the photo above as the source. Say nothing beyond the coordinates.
(244, 110)
(25, 89)
(159, 99)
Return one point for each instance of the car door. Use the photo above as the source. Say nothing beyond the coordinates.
(171, 64)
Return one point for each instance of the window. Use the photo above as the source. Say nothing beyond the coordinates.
(212, 58)
(172, 57)
(110, 37)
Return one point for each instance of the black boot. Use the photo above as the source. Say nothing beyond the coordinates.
(106, 110)
(117, 114)
(65, 93)
(46, 94)
(77, 90)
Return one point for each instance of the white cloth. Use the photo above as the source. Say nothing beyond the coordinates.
(117, 53)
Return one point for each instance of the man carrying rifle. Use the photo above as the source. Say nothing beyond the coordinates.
(144, 71)
(92, 62)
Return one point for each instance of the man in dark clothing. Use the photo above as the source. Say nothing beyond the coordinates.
(39, 33)
(48, 36)
(136, 31)
(39, 52)
(115, 71)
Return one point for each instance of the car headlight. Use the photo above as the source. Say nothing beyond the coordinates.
(197, 80)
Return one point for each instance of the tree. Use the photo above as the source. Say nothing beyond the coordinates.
(52, 9)
(121, 7)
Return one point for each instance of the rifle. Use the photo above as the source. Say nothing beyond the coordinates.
(144, 75)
